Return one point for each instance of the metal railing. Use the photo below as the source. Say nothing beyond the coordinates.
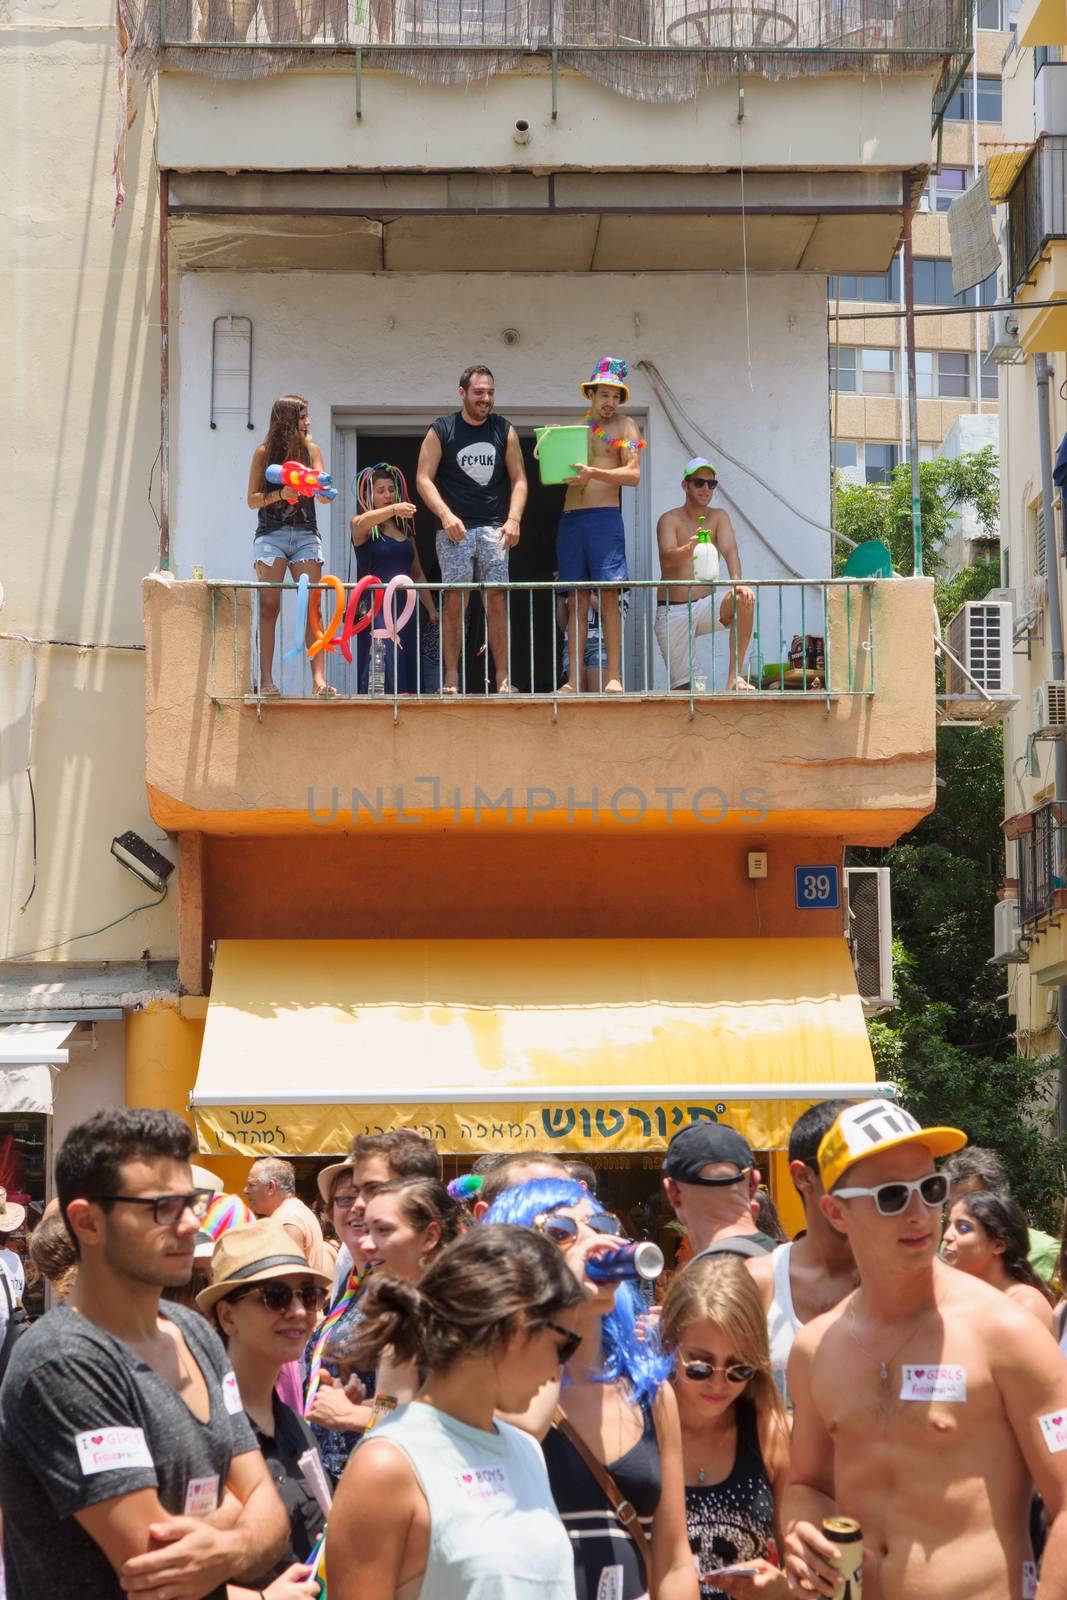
(1042, 867)
(809, 640)
(914, 29)
(1037, 206)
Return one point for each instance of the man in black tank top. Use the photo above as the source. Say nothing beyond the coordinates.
(471, 476)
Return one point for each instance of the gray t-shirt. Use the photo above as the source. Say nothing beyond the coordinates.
(83, 1419)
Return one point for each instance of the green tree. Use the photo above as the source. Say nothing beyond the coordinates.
(949, 1044)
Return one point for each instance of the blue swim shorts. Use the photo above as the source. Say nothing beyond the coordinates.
(592, 545)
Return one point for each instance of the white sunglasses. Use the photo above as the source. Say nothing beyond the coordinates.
(893, 1198)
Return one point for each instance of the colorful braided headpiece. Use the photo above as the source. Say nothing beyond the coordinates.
(365, 486)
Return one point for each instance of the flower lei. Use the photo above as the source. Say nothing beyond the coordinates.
(616, 444)
(322, 1338)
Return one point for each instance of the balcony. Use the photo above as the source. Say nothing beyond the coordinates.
(1037, 254)
(1042, 865)
(836, 742)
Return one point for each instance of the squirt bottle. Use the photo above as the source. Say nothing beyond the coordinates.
(705, 556)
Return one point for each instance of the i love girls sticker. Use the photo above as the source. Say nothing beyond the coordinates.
(1054, 1427)
(112, 1450)
(933, 1383)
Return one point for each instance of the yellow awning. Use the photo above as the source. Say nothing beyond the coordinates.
(1003, 170)
(598, 1044)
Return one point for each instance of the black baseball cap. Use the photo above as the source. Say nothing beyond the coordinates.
(693, 1147)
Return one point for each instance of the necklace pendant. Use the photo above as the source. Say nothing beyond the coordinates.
(700, 1474)
(884, 1372)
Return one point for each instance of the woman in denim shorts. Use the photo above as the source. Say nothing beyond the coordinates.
(287, 533)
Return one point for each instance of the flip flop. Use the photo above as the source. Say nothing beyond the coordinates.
(270, 693)
(325, 692)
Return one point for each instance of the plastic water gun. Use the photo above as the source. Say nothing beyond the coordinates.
(305, 480)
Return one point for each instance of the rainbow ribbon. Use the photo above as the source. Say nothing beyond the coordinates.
(322, 1338)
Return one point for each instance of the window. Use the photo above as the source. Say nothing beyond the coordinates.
(882, 286)
(990, 377)
(953, 374)
(933, 285)
(960, 107)
(924, 374)
(943, 187)
(847, 453)
(879, 461)
(998, 15)
(843, 369)
(879, 372)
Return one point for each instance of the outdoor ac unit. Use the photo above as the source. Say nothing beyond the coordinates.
(979, 636)
(870, 934)
(1002, 337)
(1006, 931)
(1050, 709)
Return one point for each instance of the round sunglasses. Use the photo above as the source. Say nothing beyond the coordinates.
(893, 1198)
(279, 1296)
(701, 1371)
(563, 1230)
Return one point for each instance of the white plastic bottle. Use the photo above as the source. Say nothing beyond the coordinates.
(376, 675)
(705, 556)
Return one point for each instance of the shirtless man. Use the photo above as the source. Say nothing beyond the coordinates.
(591, 543)
(678, 622)
(799, 1281)
(926, 1405)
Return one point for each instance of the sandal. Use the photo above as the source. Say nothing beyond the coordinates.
(325, 691)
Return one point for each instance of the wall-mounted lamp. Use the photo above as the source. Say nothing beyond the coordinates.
(138, 857)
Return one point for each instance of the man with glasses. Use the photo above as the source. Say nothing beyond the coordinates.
(128, 1463)
(685, 609)
(927, 1405)
(710, 1178)
(801, 1280)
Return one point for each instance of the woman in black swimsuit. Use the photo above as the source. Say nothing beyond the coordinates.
(735, 1440)
(615, 1399)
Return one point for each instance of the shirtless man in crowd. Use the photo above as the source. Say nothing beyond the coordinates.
(684, 609)
(591, 543)
(926, 1404)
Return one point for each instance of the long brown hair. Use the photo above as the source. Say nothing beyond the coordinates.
(473, 1295)
(1005, 1223)
(422, 1201)
(721, 1290)
(284, 441)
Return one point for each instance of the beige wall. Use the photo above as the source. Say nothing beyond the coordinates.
(79, 323)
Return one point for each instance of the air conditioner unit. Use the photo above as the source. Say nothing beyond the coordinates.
(1050, 709)
(1006, 932)
(870, 934)
(1002, 337)
(979, 636)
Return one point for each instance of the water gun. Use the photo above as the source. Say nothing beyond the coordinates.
(305, 480)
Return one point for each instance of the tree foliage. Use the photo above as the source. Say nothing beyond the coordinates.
(949, 1044)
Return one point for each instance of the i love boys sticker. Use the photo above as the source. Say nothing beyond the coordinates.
(484, 1483)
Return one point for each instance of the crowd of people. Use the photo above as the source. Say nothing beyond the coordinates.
(446, 1393)
(472, 479)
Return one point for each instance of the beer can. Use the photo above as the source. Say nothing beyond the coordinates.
(847, 1534)
(629, 1261)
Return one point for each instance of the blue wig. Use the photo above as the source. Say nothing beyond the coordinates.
(639, 1362)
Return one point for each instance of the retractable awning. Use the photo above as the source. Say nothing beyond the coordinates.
(598, 1044)
(30, 1054)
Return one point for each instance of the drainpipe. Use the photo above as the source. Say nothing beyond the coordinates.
(913, 405)
(1043, 377)
(164, 373)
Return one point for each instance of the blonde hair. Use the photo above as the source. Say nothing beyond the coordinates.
(720, 1289)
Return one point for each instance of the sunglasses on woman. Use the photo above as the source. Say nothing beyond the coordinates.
(701, 1371)
(279, 1296)
(562, 1230)
(571, 1341)
(893, 1198)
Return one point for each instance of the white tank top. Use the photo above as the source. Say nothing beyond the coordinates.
(782, 1323)
(495, 1533)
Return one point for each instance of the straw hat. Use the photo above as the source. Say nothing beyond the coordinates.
(11, 1216)
(254, 1254)
(328, 1176)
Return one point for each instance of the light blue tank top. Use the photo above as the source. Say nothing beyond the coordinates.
(495, 1533)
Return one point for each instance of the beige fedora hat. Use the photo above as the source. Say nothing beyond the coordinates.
(11, 1216)
(328, 1177)
(255, 1254)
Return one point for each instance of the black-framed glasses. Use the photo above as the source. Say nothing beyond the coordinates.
(893, 1198)
(167, 1209)
(279, 1296)
(571, 1341)
(562, 1230)
(703, 483)
(735, 1372)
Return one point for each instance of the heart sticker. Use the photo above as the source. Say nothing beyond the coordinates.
(920, 1372)
(468, 1477)
(98, 1438)
(1057, 1420)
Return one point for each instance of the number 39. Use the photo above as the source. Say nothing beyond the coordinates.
(817, 886)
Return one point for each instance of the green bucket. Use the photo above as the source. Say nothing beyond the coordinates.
(557, 450)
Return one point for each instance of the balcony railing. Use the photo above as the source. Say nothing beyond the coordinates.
(810, 640)
(1037, 206)
(1043, 866)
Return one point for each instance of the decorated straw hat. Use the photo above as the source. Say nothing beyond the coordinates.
(610, 370)
(255, 1254)
(11, 1216)
(204, 1179)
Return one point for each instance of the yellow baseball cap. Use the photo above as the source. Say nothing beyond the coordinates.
(873, 1125)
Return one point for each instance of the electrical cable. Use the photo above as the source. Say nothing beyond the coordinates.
(33, 827)
(71, 644)
(667, 399)
(149, 905)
